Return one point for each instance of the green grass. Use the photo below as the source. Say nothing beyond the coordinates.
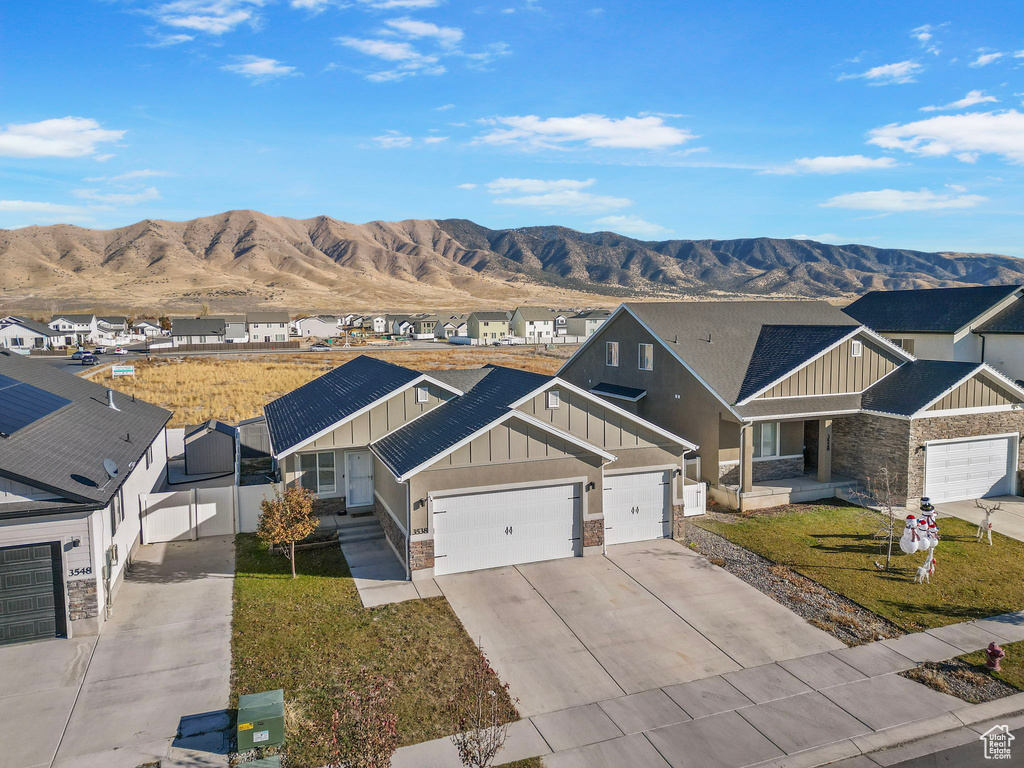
(1013, 665)
(309, 635)
(833, 545)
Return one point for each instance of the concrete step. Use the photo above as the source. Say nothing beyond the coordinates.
(353, 538)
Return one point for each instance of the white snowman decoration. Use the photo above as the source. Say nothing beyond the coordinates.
(911, 538)
(928, 540)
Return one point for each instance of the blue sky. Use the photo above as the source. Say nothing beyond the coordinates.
(889, 124)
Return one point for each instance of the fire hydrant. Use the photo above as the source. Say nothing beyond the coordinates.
(994, 654)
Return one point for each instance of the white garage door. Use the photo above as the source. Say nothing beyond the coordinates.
(487, 530)
(969, 469)
(637, 507)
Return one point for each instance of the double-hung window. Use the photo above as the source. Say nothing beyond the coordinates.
(766, 439)
(316, 472)
(645, 357)
(611, 354)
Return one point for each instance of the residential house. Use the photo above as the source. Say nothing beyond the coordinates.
(584, 324)
(936, 323)
(398, 325)
(76, 329)
(423, 326)
(562, 323)
(22, 335)
(487, 327)
(535, 324)
(450, 325)
(267, 326)
(317, 326)
(378, 324)
(347, 321)
(147, 328)
(469, 469)
(197, 330)
(74, 460)
(796, 400)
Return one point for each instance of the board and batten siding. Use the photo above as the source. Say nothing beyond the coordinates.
(590, 421)
(510, 441)
(838, 372)
(976, 392)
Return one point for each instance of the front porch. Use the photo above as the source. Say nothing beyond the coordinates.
(789, 490)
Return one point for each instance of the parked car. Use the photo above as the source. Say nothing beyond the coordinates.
(78, 355)
(120, 351)
(88, 359)
(100, 351)
(319, 348)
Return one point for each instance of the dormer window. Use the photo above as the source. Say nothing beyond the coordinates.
(856, 348)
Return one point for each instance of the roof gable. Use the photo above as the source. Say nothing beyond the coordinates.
(782, 348)
(914, 385)
(929, 310)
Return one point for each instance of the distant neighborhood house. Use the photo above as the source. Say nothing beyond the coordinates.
(23, 335)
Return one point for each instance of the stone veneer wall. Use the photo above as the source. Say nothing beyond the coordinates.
(863, 445)
(678, 522)
(421, 554)
(770, 469)
(593, 532)
(947, 427)
(391, 529)
(83, 600)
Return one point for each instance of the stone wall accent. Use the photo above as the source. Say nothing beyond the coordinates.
(863, 445)
(593, 532)
(948, 427)
(421, 554)
(771, 469)
(391, 529)
(83, 599)
(678, 523)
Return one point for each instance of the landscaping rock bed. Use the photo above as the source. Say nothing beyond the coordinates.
(960, 679)
(831, 612)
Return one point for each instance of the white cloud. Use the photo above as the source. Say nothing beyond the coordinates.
(889, 74)
(118, 198)
(445, 36)
(31, 206)
(214, 17)
(393, 140)
(143, 173)
(466, 186)
(985, 59)
(925, 35)
(631, 225)
(900, 201)
(533, 186)
(533, 132)
(409, 61)
(444, 107)
(163, 41)
(835, 164)
(435, 139)
(389, 4)
(259, 68)
(963, 136)
(59, 137)
(972, 98)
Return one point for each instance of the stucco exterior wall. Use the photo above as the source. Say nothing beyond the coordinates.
(1005, 353)
(391, 492)
(928, 346)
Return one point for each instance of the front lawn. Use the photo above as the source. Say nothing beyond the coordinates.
(833, 545)
(1012, 665)
(310, 635)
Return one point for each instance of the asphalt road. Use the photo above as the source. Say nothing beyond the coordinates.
(971, 755)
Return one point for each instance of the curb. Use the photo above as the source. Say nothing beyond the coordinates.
(899, 735)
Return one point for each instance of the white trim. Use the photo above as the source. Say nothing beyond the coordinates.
(856, 348)
(581, 480)
(327, 430)
(564, 435)
(373, 485)
(967, 411)
(980, 368)
(777, 458)
(996, 436)
(387, 508)
(883, 414)
(611, 406)
(796, 416)
(778, 439)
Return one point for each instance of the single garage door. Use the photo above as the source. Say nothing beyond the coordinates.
(637, 507)
(31, 593)
(969, 469)
(487, 530)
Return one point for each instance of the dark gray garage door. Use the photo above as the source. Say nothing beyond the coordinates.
(31, 595)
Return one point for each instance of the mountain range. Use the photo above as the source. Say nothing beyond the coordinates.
(245, 259)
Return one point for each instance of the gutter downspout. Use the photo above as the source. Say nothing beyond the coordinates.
(408, 529)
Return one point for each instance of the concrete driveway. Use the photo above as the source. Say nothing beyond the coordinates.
(568, 632)
(1009, 520)
(116, 700)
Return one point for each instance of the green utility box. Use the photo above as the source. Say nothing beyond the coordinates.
(261, 720)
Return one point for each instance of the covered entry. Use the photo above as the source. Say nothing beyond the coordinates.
(637, 507)
(487, 530)
(31, 593)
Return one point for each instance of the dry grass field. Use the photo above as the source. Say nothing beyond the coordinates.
(237, 387)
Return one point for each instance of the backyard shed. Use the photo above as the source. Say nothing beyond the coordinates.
(210, 448)
(254, 438)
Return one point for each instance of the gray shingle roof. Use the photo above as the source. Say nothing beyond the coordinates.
(931, 310)
(197, 326)
(1010, 320)
(717, 339)
(781, 348)
(268, 317)
(536, 313)
(491, 317)
(314, 407)
(32, 325)
(64, 451)
(781, 407)
(77, 318)
(438, 430)
(913, 385)
(213, 425)
(462, 379)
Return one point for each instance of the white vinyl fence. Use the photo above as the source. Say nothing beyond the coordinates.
(695, 499)
(175, 439)
(200, 512)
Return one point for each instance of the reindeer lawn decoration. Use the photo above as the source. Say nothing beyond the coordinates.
(986, 526)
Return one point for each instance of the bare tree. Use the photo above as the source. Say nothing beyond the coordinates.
(480, 715)
(880, 502)
(986, 526)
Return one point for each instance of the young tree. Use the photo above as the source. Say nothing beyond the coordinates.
(364, 730)
(287, 519)
(480, 714)
(880, 501)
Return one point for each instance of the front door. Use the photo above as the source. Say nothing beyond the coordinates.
(358, 479)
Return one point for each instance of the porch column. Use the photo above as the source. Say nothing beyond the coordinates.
(746, 459)
(824, 450)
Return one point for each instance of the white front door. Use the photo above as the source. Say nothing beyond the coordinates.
(358, 478)
(637, 507)
(487, 530)
(970, 469)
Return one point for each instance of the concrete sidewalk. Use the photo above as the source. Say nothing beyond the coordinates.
(750, 716)
(1009, 520)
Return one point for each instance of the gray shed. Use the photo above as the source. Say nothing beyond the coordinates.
(210, 448)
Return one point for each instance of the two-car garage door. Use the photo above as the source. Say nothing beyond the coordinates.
(487, 530)
(970, 469)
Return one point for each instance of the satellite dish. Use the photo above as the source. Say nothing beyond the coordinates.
(110, 468)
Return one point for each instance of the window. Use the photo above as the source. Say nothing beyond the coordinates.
(116, 511)
(422, 395)
(17, 342)
(554, 399)
(906, 344)
(611, 354)
(645, 357)
(316, 472)
(766, 439)
(856, 348)
(149, 457)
